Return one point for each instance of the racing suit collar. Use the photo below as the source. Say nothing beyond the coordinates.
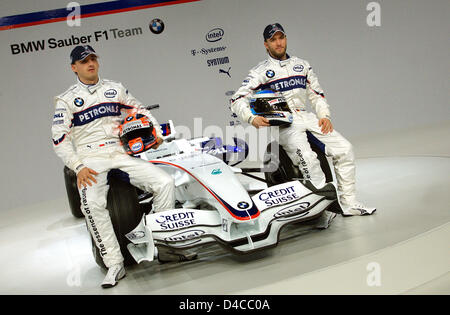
(281, 63)
(90, 87)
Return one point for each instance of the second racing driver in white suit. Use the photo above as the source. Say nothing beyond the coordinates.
(295, 79)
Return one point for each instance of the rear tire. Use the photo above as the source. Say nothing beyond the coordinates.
(70, 179)
(280, 168)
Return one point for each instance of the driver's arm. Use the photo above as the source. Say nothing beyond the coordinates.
(61, 135)
(316, 95)
(240, 102)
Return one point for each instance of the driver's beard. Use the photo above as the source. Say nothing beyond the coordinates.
(275, 55)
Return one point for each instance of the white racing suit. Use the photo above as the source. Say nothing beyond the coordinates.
(85, 133)
(295, 79)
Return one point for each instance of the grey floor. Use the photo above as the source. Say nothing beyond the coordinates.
(403, 248)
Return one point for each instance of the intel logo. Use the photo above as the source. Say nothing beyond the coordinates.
(136, 147)
(298, 68)
(292, 210)
(184, 236)
(110, 93)
(214, 35)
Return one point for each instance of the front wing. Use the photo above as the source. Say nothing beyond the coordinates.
(188, 228)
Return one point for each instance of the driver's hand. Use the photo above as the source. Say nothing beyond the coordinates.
(85, 176)
(260, 121)
(326, 125)
(158, 142)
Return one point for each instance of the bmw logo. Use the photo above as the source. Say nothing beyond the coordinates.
(156, 26)
(270, 73)
(243, 205)
(78, 101)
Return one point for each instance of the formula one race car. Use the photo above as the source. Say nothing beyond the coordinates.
(212, 204)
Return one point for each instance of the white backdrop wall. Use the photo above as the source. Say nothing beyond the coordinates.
(376, 79)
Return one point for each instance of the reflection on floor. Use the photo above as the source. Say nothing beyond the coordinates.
(402, 249)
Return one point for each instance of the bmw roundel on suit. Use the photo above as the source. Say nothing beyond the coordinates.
(88, 114)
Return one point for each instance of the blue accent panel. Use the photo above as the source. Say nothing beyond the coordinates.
(286, 84)
(223, 151)
(165, 129)
(97, 111)
(265, 92)
(318, 93)
(212, 143)
(56, 142)
(85, 9)
(248, 213)
(313, 139)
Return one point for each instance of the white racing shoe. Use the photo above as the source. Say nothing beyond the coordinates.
(115, 273)
(356, 208)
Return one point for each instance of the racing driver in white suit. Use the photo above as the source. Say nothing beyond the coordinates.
(295, 79)
(85, 137)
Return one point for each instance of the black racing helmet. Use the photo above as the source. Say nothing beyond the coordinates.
(273, 106)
